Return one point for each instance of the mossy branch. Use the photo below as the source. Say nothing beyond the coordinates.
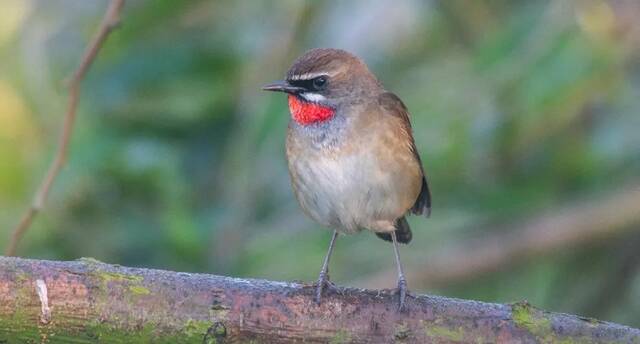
(87, 301)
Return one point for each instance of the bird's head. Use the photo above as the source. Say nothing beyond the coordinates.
(323, 81)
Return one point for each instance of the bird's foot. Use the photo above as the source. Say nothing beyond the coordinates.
(402, 293)
(323, 283)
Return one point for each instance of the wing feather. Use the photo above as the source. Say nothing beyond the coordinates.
(394, 106)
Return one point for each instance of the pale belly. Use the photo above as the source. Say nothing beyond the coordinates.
(350, 192)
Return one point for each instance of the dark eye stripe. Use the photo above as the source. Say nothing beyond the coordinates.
(310, 84)
(306, 84)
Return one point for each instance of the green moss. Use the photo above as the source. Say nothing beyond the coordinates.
(341, 337)
(401, 332)
(22, 325)
(133, 283)
(215, 332)
(194, 331)
(530, 318)
(22, 277)
(444, 333)
(107, 276)
(538, 323)
(89, 261)
(218, 313)
(107, 332)
(195, 328)
(18, 328)
(139, 290)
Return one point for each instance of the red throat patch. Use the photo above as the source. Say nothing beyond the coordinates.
(307, 113)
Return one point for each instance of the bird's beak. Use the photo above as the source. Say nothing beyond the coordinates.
(282, 86)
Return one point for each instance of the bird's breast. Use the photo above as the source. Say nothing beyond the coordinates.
(330, 188)
(349, 186)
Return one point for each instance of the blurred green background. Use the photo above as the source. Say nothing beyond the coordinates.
(525, 113)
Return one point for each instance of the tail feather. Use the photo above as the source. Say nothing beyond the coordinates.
(423, 203)
(403, 232)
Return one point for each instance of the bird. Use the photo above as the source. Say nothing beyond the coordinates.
(352, 159)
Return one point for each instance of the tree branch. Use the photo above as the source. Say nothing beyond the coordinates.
(561, 229)
(87, 301)
(109, 22)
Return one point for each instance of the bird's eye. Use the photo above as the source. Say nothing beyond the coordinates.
(319, 82)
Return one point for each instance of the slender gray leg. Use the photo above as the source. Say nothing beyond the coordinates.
(402, 282)
(323, 279)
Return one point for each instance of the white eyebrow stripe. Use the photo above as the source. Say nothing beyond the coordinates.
(312, 97)
(307, 76)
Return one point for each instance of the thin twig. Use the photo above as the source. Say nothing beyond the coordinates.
(109, 22)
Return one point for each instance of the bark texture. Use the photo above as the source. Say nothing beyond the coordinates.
(86, 301)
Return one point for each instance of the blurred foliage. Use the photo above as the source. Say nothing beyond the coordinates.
(177, 160)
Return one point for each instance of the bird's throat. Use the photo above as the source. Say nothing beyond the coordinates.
(306, 113)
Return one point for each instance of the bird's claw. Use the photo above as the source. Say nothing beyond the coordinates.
(402, 293)
(323, 282)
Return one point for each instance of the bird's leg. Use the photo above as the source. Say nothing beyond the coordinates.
(402, 282)
(323, 278)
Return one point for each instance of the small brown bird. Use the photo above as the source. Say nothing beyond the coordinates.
(352, 159)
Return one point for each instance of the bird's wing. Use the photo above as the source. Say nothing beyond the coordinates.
(393, 106)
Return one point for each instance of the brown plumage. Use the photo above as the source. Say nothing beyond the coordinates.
(422, 206)
(350, 150)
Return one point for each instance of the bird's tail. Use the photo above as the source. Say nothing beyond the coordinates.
(403, 232)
